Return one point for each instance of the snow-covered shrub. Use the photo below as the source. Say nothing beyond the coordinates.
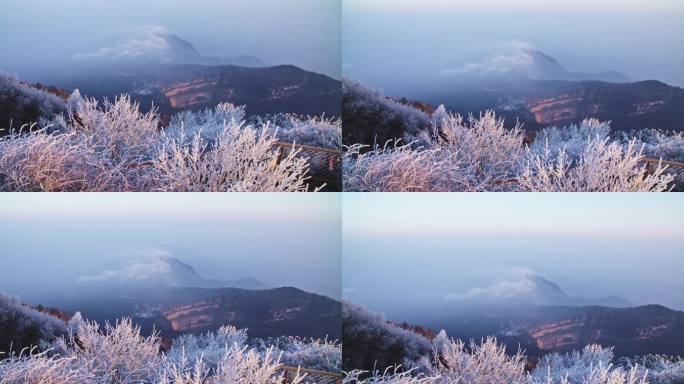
(658, 144)
(22, 104)
(321, 354)
(40, 161)
(44, 369)
(389, 376)
(316, 131)
(118, 354)
(592, 365)
(240, 365)
(484, 363)
(480, 155)
(657, 369)
(22, 326)
(209, 123)
(369, 117)
(394, 168)
(114, 147)
(240, 159)
(210, 346)
(603, 166)
(118, 130)
(236, 364)
(483, 155)
(573, 140)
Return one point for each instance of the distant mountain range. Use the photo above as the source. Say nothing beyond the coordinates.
(172, 88)
(161, 69)
(371, 340)
(535, 313)
(541, 329)
(164, 293)
(539, 103)
(176, 310)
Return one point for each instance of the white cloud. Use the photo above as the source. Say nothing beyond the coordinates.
(151, 268)
(516, 286)
(146, 42)
(513, 59)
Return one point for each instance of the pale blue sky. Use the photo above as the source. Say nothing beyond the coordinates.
(402, 251)
(393, 43)
(50, 240)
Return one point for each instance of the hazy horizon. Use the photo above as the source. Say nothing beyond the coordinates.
(407, 254)
(640, 38)
(40, 37)
(54, 242)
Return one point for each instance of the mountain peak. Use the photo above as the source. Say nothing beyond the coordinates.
(153, 46)
(163, 270)
(523, 62)
(527, 288)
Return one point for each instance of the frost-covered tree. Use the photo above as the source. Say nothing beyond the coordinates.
(484, 363)
(316, 131)
(43, 368)
(22, 104)
(209, 346)
(572, 139)
(23, 326)
(482, 154)
(321, 354)
(658, 144)
(592, 365)
(208, 123)
(369, 117)
(370, 341)
(394, 168)
(118, 353)
(602, 166)
(240, 159)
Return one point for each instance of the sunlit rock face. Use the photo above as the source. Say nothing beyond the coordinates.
(172, 88)
(268, 312)
(637, 330)
(649, 103)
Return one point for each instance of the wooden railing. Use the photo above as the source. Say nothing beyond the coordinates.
(325, 164)
(672, 166)
(311, 376)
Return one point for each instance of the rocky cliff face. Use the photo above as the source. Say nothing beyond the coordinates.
(638, 330)
(540, 103)
(265, 312)
(272, 312)
(171, 88)
(647, 104)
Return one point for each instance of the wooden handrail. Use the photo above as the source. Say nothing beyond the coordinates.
(310, 371)
(672, 164)
(308, 148)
